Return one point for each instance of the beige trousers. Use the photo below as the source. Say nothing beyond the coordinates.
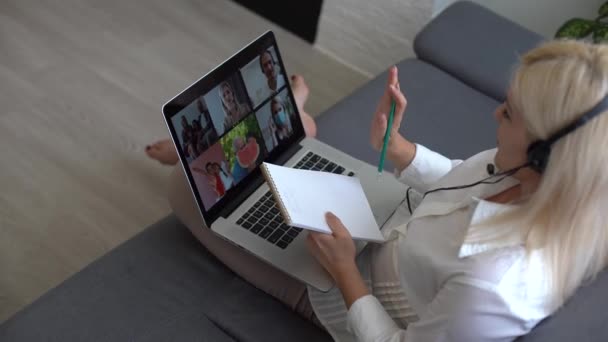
(288, 290)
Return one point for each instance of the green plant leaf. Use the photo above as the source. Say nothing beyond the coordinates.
(603, 11)
(575, 28)
(600, 34)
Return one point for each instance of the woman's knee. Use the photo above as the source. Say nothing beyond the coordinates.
(265, 277)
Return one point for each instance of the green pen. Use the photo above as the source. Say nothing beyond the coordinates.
(387, 136)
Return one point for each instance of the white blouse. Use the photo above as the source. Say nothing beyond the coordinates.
(458, 291)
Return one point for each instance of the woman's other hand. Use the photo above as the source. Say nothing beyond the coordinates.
(400, 151)
(380, 120)
(336, 253)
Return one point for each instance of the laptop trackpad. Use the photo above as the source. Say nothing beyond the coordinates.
(384, 194)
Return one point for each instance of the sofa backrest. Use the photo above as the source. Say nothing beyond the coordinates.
(582, 318)
(475, 45)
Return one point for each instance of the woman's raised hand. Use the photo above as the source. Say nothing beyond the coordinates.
(379, 122)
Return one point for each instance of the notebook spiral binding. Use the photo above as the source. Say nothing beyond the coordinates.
(276, 194)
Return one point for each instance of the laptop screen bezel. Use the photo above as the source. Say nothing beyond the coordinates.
(201, 87)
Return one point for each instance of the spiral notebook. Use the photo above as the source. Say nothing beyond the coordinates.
(304, 196)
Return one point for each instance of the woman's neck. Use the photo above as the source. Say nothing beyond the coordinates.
(507, 196)
(525, 188)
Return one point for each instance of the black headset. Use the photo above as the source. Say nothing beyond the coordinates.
(537, 154)
(539, 151)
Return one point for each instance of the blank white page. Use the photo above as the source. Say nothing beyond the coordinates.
(308, 195)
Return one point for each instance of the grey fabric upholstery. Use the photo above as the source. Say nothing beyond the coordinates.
(475, 45)
(443, 114)
(583, 317)
(162, 285)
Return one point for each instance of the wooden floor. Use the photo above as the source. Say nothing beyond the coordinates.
(81, 86)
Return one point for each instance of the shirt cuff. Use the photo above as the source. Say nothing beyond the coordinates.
(368, 320)
(426, 168)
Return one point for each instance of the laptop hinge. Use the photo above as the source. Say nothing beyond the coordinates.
(257, 182)
(290, 152)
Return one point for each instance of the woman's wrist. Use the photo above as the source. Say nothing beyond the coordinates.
(351, 284)
(343, 273)
(401, 152)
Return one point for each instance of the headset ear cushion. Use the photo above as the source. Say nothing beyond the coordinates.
(538, 155)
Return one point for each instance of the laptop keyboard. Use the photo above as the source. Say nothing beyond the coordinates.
(264, 218)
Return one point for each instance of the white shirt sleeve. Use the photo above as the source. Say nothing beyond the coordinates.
(426, 168)
(368, 321)
(463, 310)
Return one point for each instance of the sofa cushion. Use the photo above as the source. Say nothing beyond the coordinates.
(443, 114)
(162, 285)
(582, 318)
(475, 45)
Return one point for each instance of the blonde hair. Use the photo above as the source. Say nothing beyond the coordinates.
(565, 219)
(237, 106)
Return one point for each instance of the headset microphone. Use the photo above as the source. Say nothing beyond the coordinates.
(490, 169)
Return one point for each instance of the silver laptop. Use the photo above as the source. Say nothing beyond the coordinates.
(231, 120)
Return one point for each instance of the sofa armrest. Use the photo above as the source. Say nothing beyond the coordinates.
(475, 45)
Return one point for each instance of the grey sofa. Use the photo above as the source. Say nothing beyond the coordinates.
(164, 286)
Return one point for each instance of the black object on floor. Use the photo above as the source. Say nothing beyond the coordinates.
(300, 17)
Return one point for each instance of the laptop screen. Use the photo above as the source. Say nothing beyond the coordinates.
(242, 114)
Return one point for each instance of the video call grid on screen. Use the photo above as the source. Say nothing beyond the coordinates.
(211, 128)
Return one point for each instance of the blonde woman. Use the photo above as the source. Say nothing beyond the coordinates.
(478, 263)
(233, 110)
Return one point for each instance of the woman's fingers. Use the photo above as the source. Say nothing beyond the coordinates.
(336, 225)
(310, 242)
(379, 121)
(392, 80)
(316, 242)
(382, 122)
(392, 76)
(399, 98)
(378, 130)
(400, 105)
